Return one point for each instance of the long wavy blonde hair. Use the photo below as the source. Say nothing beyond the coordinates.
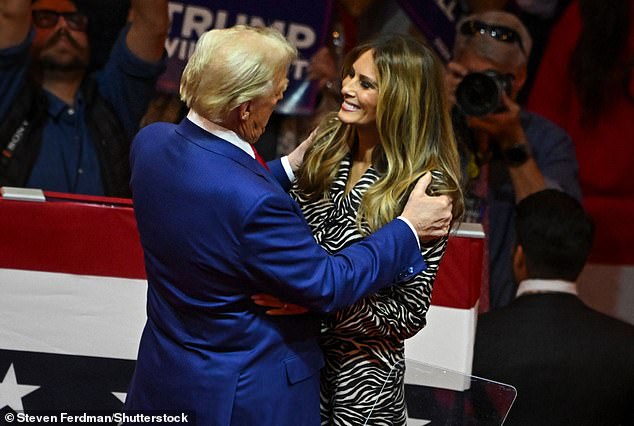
(414, 125)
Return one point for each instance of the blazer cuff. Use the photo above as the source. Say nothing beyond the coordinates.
(410, 227)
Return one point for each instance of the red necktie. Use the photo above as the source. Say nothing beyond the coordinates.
(259, 158)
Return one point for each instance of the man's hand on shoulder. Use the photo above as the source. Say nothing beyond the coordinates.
(430, 215)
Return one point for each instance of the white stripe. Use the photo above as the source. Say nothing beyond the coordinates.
(71, 314)
(417, 422)
(446, 341)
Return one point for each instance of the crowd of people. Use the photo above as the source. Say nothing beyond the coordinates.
(62, 128)
(295, 282)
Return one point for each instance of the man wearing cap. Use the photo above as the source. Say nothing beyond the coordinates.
(508, 153)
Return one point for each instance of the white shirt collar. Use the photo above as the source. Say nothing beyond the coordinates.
(217, 130)
(548, 286)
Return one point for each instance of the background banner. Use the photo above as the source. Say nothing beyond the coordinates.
(436, 19)
(303, 22)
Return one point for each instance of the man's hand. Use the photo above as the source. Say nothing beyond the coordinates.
(148, 31)
(504, 127)
(322, 68)
(430, 215)
(15, 21)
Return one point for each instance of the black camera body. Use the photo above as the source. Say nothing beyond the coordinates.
(480, 93)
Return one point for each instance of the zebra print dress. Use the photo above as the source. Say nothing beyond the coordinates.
(363, 344)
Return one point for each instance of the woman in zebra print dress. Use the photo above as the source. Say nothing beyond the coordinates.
(363, 344)
(393, 127)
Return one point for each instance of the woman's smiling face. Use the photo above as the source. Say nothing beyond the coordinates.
(360, 92)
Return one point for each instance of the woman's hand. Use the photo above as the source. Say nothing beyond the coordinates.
(296, 157)
(280, 307)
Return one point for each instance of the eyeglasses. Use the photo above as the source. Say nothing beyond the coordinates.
(44, 18)
(498, 32)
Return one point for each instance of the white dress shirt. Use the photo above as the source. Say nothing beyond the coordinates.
(231, 137)
(546, 286)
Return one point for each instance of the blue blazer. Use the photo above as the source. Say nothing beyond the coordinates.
(216, 227)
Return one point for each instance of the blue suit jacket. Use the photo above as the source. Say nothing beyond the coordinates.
(216, 227)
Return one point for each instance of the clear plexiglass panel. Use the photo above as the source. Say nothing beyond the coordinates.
(437, 396)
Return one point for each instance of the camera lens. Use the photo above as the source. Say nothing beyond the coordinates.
(479, 94)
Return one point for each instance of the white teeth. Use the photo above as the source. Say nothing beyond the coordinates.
(346, 106)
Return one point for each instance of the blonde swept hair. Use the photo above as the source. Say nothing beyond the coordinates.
(415, 129)
(231, 66)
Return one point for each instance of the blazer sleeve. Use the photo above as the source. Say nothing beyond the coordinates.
(282, 257)
(278, 172)
(398, 312)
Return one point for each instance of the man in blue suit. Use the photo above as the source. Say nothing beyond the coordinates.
(217, 227)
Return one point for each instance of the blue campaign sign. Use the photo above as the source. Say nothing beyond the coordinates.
(303, 22)
(437, 20)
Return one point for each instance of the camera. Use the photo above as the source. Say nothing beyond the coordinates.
(480, 93)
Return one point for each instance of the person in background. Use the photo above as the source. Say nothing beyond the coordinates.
(62, 129)
(538, 17)
(392, 126)
(216, 227)
(571, 365)
(585, 84)
(508, 153)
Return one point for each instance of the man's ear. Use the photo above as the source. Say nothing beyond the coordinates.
(519, 264)
(244, 110)
(519, 79)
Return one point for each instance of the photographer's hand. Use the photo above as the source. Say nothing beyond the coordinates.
(453, 76)
(504, 127)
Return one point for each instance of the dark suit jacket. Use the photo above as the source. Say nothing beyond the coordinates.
(216, 227)
(570, 364)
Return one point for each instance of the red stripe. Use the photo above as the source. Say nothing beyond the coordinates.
(88, 235)
(91, 237)
(458, 282)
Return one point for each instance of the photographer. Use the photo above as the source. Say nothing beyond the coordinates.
(507, 153)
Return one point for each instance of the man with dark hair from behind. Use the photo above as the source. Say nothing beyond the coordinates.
(570, 364)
